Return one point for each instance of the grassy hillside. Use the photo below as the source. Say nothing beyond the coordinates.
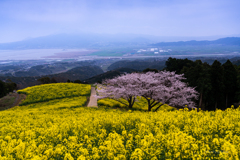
(78, 73)
(65, 129)
(109, 75)
(138, 65)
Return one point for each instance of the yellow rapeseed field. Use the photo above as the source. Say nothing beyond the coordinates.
(54, 91)
(64, 129)
(140, 104)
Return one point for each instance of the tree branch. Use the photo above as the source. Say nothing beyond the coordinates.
(155, 104)
(158, 107)
(119, 101)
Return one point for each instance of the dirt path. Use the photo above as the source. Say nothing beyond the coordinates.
(20, 97)
(93, 98)
(16, 100)
(11, 100)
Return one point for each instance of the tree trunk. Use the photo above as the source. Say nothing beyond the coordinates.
(131, 101)
(200, 101)
(158, 107)
(226, 100)
(149, 105)
(149, 108)
(204, 107)
(130, 106)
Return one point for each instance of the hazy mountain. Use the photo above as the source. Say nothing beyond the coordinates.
(75, 41)
(222, 41)
(86, 40)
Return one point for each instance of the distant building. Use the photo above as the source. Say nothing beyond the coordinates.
(141, 50)
(152, 49)
(155, 52)
(127, 54)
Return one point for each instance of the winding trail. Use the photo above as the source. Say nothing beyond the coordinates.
(16, 100)
(93, 98)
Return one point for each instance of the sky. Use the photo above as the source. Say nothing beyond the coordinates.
(22, 19)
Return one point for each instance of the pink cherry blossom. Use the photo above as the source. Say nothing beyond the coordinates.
(157, 88)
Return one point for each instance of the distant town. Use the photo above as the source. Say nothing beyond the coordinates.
(150, 51)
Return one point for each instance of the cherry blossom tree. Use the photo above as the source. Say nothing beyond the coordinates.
(157, 88)
(166, 88)
(122, 87)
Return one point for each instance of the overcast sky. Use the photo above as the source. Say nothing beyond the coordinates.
(21, 19)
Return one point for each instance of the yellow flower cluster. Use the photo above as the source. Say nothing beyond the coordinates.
(42, 93)
(140, 104)
(106, 102)
(55, 104)
(62, 129)
(89, 133)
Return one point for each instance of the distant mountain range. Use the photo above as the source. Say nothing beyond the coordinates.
(72, 41)
(221, 41)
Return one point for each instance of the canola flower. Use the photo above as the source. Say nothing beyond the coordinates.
(61, 129)
(42, 93)
(140, 104)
